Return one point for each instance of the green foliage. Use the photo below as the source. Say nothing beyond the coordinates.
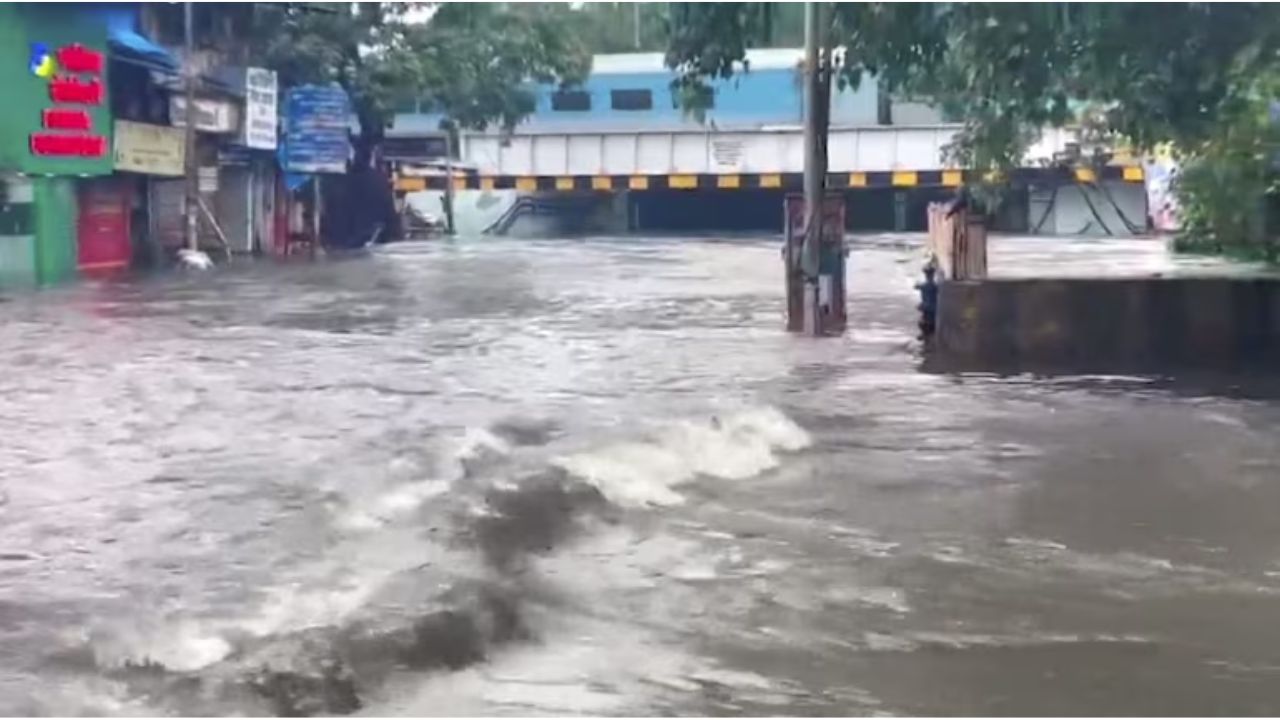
(1228, 184)
(475, 60)
(1184, 73)
(472, 62)
(610, 27)
(1162, 71)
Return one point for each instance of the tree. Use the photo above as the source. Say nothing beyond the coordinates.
(1228, 185)
(1161, 72)
(471, 62)
(610, 27)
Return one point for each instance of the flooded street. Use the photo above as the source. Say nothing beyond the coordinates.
(596, 477)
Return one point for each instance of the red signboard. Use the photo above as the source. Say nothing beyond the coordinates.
(64, 119)
(68, 132)
(79, 145)
(69, 89)
(80, 59)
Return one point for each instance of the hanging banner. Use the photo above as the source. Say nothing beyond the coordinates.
(317, 127)
(149, 149)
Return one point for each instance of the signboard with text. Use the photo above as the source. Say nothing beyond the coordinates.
(260, 109)
(317, 129)
(207, 179)
(56, 80)
(212, 116)
(149, 149)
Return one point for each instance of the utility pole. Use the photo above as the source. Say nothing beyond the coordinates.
(449, 228)
(189, 131)
(815, 163)
(635, 9)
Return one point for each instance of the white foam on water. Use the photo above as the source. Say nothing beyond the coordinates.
(475, 442)
(620, 559)
(326, 592)
(401, 499)
(1035, 544)
(735, 447)
(962, 641)
(89, 697)
(581, 666)
(182, 645)
(889, 598)
(331, 591)
(392, 504)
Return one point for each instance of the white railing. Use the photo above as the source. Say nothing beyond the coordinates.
(776, 149)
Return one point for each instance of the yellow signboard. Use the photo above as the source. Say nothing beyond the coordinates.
(149, 149)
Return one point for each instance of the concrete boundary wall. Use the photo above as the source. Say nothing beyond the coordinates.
(1109, 325)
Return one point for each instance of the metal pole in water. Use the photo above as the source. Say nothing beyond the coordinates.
(192, 195)
(317, 200)
(448, 184)
(814, 168)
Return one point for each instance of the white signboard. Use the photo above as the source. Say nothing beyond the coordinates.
(213, 116)
(208, 179)
(261, 107)
(726, 155)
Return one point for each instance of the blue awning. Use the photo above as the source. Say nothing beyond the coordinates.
(127, 44)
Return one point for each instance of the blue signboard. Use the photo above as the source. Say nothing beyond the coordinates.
(317, 122)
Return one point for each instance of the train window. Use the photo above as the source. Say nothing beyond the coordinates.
(631, 99)
(571, 101)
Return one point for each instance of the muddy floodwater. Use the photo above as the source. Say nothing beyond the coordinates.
(596, 477)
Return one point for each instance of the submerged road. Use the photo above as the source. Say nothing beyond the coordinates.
(594, 476)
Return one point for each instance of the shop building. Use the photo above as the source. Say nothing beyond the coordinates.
(58, 212)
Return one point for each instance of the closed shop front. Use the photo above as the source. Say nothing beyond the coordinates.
(103, 231)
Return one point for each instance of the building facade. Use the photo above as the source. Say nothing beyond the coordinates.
(55, 138)
(92, 148)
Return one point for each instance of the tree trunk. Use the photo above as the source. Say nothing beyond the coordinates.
(360, 205)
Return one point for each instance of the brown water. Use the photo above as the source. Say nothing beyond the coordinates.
(595, 477)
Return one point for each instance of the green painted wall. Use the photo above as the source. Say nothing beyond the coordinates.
(26, 95)
(55, 229)
(12, 40)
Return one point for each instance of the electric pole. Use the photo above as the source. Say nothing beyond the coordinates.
(635, 8)
(189, 131)
(815, 162)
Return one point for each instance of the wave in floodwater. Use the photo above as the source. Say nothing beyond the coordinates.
(427, 576)
(647, 472)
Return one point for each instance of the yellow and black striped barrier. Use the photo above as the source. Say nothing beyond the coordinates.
(750, 181)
